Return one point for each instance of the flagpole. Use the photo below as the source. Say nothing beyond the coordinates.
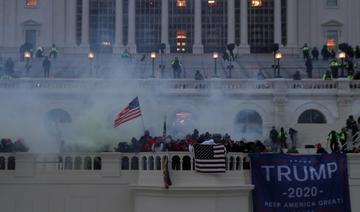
(142, 121)
(142, 118)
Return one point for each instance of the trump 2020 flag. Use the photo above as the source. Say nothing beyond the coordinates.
(209, 158)
(292, 183)
(132, 111)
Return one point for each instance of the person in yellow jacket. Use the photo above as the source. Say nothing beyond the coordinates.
(334, 66)
(327, 76)
(53, 51)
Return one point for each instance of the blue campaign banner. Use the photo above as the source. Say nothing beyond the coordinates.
(300, 183)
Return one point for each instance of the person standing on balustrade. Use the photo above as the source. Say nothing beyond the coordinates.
(46, 66)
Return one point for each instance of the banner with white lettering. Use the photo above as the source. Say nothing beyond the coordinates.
(300, 183)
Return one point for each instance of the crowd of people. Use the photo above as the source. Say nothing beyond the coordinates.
(7, 145)
(148, 143)
(27, 54)
(346, 65)
(348, 139)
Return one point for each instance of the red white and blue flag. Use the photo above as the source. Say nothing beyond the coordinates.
(132, 111)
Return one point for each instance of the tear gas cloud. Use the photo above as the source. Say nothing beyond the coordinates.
(24, 115)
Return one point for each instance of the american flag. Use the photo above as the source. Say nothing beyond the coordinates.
(130, 112)
(209, 158)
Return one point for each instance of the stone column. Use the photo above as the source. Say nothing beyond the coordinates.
(277, 22)
(119, 45)
(279, 111)
(231, 21)
(344, 100)
(70, 25)
(165, 24)
(131, 46)
(2, 23)
(291, 26)
(244, 47)
(280, 101)
(344, 105)
(85, 26)
(198, 47)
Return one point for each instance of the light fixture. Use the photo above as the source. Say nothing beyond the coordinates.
(153, 55)
(211, 2)
(181, 3)
(91, 55)
(278, 55)
(330, 43)
(256, 3)
(215, 55)
(342, 55)
(106, 43)
(27, 54)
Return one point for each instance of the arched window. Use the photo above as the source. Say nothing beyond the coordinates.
(231, 163)
(151, 163)
(56, 123)
(125, 163)
(134, 163)
(175, 165)
(87, 162)
(11, 163)
(78, 163)
(144, 163)
(158, 163)
(68, 163)
(2, 163)
(237, 166)
(248, 123)
(312, 117)
(182, 123)
(186, 163)
(97, 163)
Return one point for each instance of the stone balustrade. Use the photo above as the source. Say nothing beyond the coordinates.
(144, 161)
(168, 85)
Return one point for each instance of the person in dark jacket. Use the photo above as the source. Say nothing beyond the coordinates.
(309, 67)
(9, 67)
(297, 76)
(315, 53)
(46, 66)
(274, 139)
(176, 65)
(325, 53)
(198, 75)
(357, 52)
(333, 140)
(283, 138)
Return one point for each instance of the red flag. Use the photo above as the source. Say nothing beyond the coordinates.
(130, 112)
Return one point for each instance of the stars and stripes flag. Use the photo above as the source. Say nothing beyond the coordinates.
(132, 111)
(209, 158)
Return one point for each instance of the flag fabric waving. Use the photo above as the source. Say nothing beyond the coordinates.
(209, 158)
(130, 112)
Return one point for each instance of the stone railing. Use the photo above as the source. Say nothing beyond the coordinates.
(112, 163)
(168, 85)
(7, 161)
(145, 161)
(179, 161)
